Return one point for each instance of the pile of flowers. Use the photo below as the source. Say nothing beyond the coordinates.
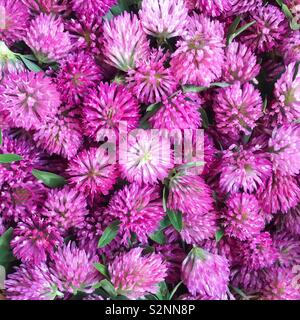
(150, 149)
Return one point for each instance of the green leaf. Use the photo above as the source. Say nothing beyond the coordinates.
(120, 297)
(153, 107)
(191, 165)
(246, 138)
(158, 237)
(30, 65)
(109, 234)
(285, 9)
(50, 179)
(239, 31)
(148, 250)
(151, 297)
(123, 5)
(108, 16)
(165, 197)
(6, 256)
(265, 104)
(102, 269)
(192, 88)
(1, 138)
(165, 222)
(220, 84)
(241, 293)
(205, 122)
(108, 287)
(163, 293)
(150, 111)
(176, 219)
(233, 27)
(219, 235)
(29, 57)
(294, 25)
(175, 290)
(116, 10)
(9, 157)
(296, 70)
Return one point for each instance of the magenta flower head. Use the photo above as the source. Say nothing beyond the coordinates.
(139, 209)
(226, 247)
(164, 18)
(240, 63)
(200, 55)
(290, 221)
(91, 173)
(205, 273)
(125, 42)
(14, 21)
(290, 48)
(75, 269)
(31, 158)
(190, 4)
(269, 30)
(258, 252)
(281, 284)
(188, 191)
(209, 154)
(89, 233)
(213, 8)
(237, 108)
(78, 72)
(250, 281)
(285, 149)
(151, 81)
(189, 194)
(108, 106)
(147, 159)
(244, 168)
(180, 111)
(20, 199)
(243, 217)
(47, 39)
(242, 6)
(285, 108)
(28, 98)
(174, 254)
(279, 194)
(9, 63)
(65, 209)
(288, 249)
(34, 240)
(32, 282)
(86, 33)
(134, 275)
(59, 135)
(99, 7)
(46, 6)
(198, 226)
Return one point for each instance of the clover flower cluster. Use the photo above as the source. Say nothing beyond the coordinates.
(89, 92)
